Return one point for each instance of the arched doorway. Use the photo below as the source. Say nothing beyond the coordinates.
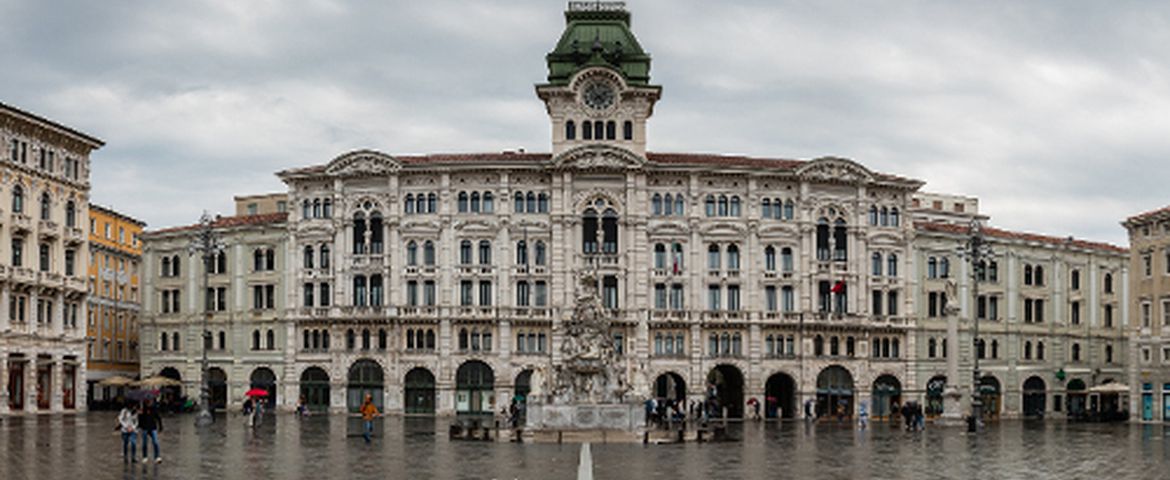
(934, 395)
(474, 383)
(520, 395)
(725, 389)
(780, 396)
(365, 377)
(315, 388)
(170, 395)
(990, 396)
(1077, 396)
(670, 386)
(419, 390)
(835, 392)
(217, 387)
(887, 392)
(264, 379)
(1034, 397)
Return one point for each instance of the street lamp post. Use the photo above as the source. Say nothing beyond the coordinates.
(975, 250)
(207, 243)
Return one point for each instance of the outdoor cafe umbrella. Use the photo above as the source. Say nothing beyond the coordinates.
(256, 392)
(158, 381)
(116, 381)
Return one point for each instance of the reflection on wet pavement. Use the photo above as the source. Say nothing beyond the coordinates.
(82, 447)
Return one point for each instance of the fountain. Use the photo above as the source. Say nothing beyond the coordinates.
(586, 396)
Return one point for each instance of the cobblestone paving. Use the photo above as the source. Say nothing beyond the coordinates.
(87, 447)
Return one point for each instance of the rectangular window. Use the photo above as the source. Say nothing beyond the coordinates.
(485, 293)
(429, 293)
(876, 299)
(676, 297)
(788, 299)
(660, 296)
(1075, 313)
(541, 293)
(412, 293)
(892, 303)
(733, 298)
(308, 294)
(1146, 314)
(465, 293)
(770, 303)
(17, 252)
(713, 297)
(1165, 312)
(609, 291)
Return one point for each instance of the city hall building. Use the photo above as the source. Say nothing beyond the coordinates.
(437, 282)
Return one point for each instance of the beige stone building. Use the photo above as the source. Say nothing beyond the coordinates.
(44, 180)
(1149, 302)
(261, 204)
(437, 282)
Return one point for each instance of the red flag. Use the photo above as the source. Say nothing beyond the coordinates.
(839, 287)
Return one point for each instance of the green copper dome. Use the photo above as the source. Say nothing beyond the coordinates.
(598, 34)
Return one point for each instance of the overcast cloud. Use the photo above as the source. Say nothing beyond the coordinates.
(1055, 114)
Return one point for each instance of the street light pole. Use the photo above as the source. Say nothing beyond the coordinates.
(207, 244)
(975, 250)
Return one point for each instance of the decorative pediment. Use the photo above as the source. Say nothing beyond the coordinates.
(475, 226)
(668, 228)
(724, 229)
(786, 230)
(835, 170)
(362, 163)
(422, 226)
(598, 157)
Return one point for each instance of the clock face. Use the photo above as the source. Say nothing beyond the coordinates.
(598, 95)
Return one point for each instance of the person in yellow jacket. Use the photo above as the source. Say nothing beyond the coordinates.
(368, 411)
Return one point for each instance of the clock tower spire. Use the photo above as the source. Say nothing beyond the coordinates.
(598, 89)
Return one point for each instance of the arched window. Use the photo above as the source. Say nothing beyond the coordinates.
(1039, 350)
(365, 339)
(255, 339)
(840, 241)
(166, 266)
(308, 260)
(485, 252)
(46, 210)
(931, 348)
(1038, 276)
(518, 202)
(175, 266)
(834, 346)
(668, 205)
(627, 130)
(931, 267)
(70, 214)
(465, 252)
(270, 340)
(306, 210)
(789, 210)
(475, 202)
(522, 252)
(429, 253)
(18, 199)
(656, 205)
(530, 199)
(432, 203)
(894, 217)
(381, 339)
(1027, 274)
(488, 202)
(659, 256)
(733, 257)
(598, 130)
(359, 291)
(376, 290)
(723, 205)
(350, 339)
(769, 259)
(316, 208)
(735, 205)
(327, 208)
(679, 205)
(786, 260)
(324, 255)
(713, 260)
(175, 345)
(163, 342)
(1108, 283)
(818, 345)
(885, 221)
(877, 264)
(570, 130)
(1027, 350)
(411, 253)
(1076, 352)
(1075, 280)
(710, 203)
(587, 130)
(408, 204)
(823, 239)
(609, 232)
(892, 265)
(873, 215)
(611, 130)
(359, 233)
(766, 208)
(995, 349)
(540, 255)
(461, 202)
(542, 202)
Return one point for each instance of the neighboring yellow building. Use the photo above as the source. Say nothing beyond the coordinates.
(115, 300)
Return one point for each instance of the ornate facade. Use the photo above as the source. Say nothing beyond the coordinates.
(437, 282)
(44, 180)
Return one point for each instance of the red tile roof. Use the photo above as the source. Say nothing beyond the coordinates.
(1141, 217)
(228, 222)
(1023, 236)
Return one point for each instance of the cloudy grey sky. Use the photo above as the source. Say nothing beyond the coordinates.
(1055, 114)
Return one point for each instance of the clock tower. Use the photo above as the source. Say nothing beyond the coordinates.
(598, 89)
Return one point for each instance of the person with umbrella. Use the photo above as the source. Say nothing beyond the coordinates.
(253, 406)
(150, 423)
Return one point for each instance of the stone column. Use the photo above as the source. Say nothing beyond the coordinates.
(30, 384)
(5, 302)
(56, 384)
(953, 395)
(58, 317)
(4, 374)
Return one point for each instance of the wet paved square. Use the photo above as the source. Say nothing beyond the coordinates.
(86, 446)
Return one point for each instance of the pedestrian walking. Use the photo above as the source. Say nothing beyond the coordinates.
(150, 423)
(863, 415)
(919, 417)
(368, 411)
(907, 415)
(249, 408)
(302, 409)
(128, 425)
